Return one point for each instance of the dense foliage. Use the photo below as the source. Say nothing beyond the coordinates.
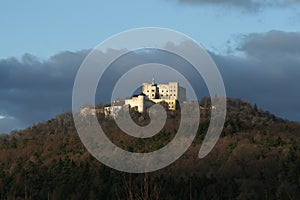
(257, 157)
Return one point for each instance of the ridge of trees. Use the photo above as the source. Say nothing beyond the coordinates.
(257, 157)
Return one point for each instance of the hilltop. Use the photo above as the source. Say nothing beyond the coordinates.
(257, 156)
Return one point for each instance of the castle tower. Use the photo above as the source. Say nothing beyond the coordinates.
(153, 81)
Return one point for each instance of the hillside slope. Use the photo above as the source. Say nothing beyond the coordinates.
(257, 157)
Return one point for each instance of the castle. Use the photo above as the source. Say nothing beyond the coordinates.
(152, 93)
(170, 93)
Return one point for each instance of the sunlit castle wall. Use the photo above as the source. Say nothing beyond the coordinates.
(137, 101)
(170, 91)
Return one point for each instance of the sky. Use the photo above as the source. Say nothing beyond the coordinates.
(255, 44)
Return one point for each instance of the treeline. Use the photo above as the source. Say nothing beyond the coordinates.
(257, 157)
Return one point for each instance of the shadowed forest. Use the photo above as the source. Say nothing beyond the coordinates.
(257, 157)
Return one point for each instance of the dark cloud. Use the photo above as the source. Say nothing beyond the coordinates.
(33, 90)
(268, 74)
(273, 43)
(272, 87)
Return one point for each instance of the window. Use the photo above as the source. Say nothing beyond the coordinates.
(147, 90)
(152, 90)
(153, 95)
(162, 95)
(162, 91)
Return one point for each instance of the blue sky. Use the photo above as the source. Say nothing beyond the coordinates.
(43, 28)
(256, 45)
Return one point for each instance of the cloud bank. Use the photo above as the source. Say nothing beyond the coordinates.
(273, 43)
(267, 74)
(33, 90)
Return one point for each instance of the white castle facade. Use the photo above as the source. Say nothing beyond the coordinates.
(170, 93)
(152, 93)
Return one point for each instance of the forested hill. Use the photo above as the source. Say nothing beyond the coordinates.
(257, 157)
